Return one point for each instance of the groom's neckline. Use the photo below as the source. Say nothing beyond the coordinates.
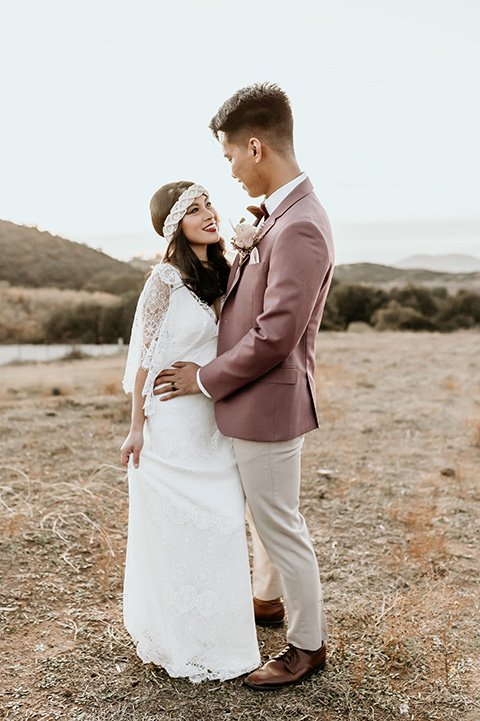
(272, 202)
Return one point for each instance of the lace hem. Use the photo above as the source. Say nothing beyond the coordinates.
(197, 672)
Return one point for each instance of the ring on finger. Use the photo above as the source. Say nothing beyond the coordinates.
(174, 387)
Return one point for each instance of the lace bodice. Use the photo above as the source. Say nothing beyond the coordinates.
(171, 323)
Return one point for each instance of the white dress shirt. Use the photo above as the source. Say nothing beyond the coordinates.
(274, 200)
(271, 203)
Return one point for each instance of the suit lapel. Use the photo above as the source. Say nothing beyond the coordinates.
(303, 189)
(234, 275)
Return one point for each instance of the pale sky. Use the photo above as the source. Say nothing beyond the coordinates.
(104, 101)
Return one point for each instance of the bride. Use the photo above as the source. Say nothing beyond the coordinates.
(187, 595)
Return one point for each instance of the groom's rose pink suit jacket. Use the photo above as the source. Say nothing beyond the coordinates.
(262, 381)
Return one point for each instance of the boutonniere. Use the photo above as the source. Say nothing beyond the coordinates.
(247, 237)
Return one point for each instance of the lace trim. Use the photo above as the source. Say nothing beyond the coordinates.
(150, 314)
(151, 339)
(204, 305)
(205, 445)
(201, 302)
(168, 273)
(202, 517)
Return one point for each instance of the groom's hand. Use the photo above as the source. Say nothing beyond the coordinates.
(180, 380)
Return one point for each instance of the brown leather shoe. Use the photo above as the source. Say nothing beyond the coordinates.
(269, 613)
(289, 667)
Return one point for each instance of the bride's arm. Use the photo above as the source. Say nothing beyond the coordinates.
(134, 441)
(149, 318)
(149, 338)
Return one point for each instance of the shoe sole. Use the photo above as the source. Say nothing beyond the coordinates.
(271, 687)
(270, 624)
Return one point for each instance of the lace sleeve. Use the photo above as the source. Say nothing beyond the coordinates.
(149, 325)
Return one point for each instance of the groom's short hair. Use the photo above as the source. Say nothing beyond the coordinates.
(261, 110)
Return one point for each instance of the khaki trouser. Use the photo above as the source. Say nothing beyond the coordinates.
(284, 559)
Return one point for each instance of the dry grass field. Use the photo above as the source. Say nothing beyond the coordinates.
(25, 311)
(391, 493)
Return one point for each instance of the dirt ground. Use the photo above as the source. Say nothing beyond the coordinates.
(391, 493)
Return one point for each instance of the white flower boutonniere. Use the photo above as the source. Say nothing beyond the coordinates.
(247, 237)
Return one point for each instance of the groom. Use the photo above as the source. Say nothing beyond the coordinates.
(262, 380)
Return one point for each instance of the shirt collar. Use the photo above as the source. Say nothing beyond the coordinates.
(274, 200)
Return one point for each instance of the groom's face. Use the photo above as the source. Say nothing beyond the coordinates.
(244, 164)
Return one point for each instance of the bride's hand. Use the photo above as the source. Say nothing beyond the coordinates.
(133, 444)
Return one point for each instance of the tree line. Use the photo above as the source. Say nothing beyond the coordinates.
(411, 307)
(100, 318)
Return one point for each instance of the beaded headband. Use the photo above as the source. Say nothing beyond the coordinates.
(178, 211)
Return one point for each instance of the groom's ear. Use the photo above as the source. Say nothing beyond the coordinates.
(256, 149)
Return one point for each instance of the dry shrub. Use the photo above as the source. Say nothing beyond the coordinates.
(111, 387)
(330, 373)
(415, 626)
(422, 541)
(60, 391)
(466, 478)
(474, 424)
(327, 377)
(43, 511)
(25, 311)
(14, 523)
(425, 542)
(342, 487)
(452, 385)
(122, 410)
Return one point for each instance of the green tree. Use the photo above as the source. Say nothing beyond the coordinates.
(416, 297)
(396, 317)
(355, 302)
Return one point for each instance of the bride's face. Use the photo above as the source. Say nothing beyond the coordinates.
(200, 223)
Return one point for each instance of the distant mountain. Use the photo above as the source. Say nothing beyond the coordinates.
(37, 259)
(387, 276)
(452, 263)
(390, 241)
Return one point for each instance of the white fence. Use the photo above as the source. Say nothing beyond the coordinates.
(41, 353)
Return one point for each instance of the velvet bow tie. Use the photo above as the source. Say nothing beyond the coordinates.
(261, 213)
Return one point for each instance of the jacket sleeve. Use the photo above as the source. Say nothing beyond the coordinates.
(300, 264)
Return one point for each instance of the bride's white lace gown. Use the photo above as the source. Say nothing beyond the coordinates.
(187, 594)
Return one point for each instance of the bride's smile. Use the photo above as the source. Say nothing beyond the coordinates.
(200, 225)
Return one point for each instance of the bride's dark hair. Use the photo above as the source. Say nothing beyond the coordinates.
(206, 281)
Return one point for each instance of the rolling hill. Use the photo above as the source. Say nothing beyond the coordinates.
(37, 259)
